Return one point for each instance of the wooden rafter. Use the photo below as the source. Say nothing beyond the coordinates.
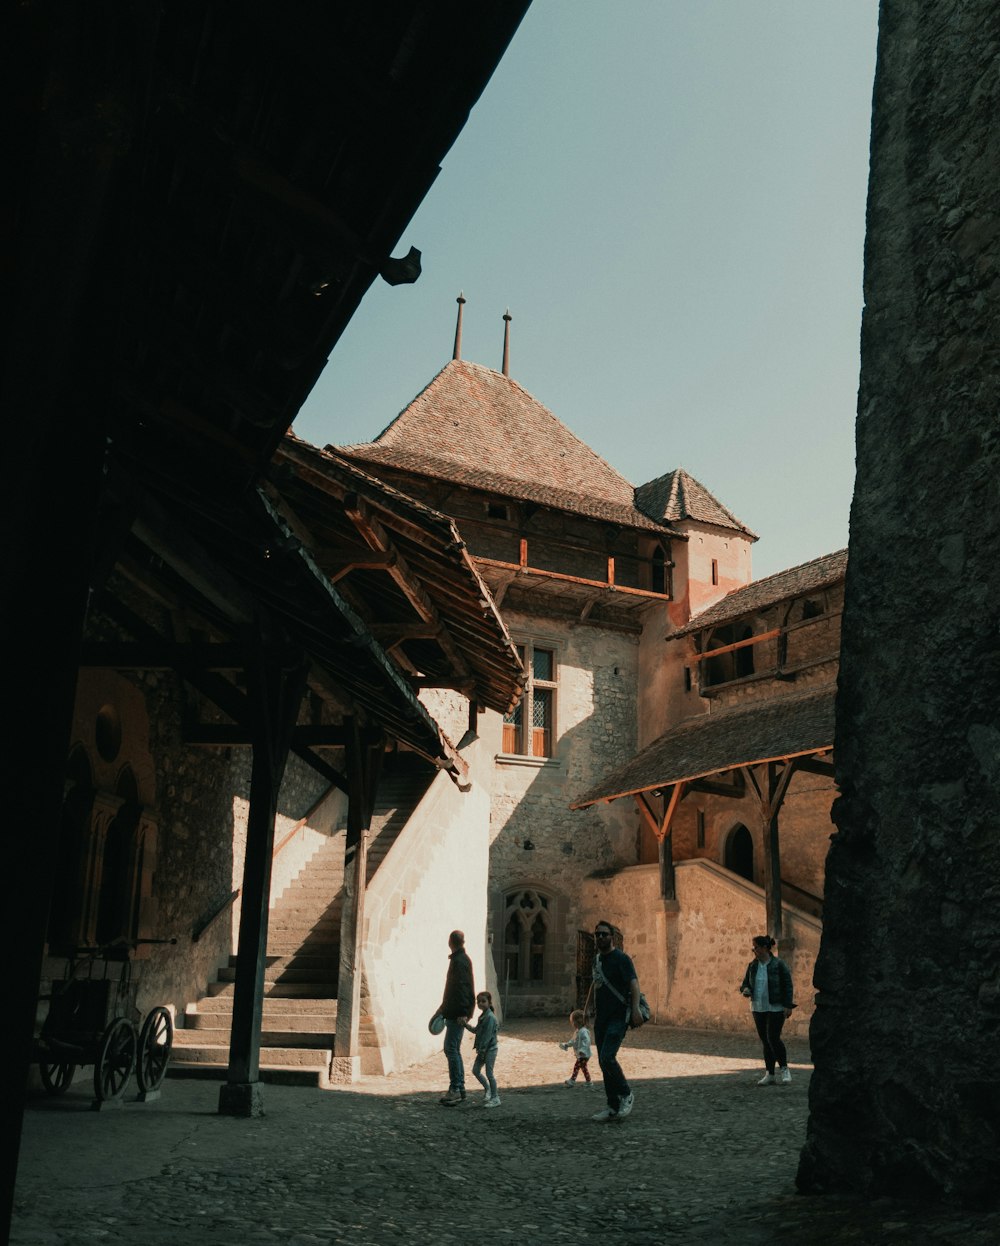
(738, 644)
(375, 537)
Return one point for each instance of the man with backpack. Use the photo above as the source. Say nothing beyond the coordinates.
(617, 995)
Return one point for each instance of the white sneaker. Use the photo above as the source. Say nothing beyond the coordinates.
(625, 1105)
(569, 1082)
(492, 1103)
(767, 1080)
(605, 1114)
(784, 1076)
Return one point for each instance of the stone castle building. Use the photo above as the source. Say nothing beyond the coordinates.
(674, 710)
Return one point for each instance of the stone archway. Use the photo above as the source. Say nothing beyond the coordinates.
(738, 852)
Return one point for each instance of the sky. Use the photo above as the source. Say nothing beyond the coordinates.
(669, 196)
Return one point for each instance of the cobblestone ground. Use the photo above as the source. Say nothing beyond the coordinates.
(706, 1156)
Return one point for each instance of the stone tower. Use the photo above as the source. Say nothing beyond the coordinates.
(906, 1095)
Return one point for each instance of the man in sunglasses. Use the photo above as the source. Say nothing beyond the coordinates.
(616, 990)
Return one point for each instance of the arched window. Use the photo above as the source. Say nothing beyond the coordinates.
(739, 852)
(527, 914)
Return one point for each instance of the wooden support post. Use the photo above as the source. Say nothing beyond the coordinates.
(363, 762)
(661, 827)
(275, 693)
(770, 798)
(772, 857)
(668, 886)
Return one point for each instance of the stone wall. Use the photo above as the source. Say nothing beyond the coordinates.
(690, 957)
(595, 731)
(432, 881)
(905, 1098)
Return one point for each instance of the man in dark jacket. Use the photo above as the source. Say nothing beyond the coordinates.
(617, 999)
(457, 1007)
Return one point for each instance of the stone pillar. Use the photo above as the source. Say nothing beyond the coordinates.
(904, 1099)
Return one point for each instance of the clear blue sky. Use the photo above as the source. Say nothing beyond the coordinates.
(670, 197)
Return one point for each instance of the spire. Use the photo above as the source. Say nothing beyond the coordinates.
(506, 343)
(457, 352)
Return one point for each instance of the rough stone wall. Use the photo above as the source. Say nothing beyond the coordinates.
(690, 959)
(196, 800)
(710, 949)
(595, 730)
(906, 1094)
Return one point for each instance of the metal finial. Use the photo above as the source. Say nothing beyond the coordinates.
(457, 352)
(506, 343)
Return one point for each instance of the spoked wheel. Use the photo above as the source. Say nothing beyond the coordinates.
(115, 1060)
(155, 1041)
(56, 1075)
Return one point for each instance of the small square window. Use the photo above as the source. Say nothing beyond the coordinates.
(497, 510)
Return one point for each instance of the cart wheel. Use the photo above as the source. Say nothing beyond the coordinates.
(115, 1060)
(155, 1041)
(57, 1076)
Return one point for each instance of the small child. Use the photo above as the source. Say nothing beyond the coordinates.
(485, 1043)
(580, 1042)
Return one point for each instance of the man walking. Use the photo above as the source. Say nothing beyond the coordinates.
(617, 998)
(456, 1007)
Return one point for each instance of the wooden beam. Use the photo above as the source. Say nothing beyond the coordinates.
(738, 644)
(525, 569)
(376, 537)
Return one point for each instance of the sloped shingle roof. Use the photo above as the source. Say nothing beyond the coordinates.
(479, 428)
(805, 578)
(677, 495)
(763, 731)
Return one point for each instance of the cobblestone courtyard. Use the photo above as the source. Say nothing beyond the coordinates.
(706, 1156)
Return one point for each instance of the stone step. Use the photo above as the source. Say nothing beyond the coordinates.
(299, 1040)
(283, 990)
(274, 1022)
(293, 960)
(292, 969)
(222, 1005)
(273, 1075)
(283, 1057)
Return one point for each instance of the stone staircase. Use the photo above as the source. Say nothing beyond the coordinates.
(303, 955)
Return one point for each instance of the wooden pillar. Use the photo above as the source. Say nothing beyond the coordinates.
(274, 693)
(771, 789)
(772, 858)
(363, 761)
(668, 888)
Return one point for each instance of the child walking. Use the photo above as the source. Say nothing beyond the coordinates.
(485, 1043)
(580, 1042)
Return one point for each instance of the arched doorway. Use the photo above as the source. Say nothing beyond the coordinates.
(739, 852)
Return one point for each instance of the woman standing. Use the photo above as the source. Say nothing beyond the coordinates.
(767, 984)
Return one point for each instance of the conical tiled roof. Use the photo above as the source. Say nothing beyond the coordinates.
(479, 428)
(677, 496)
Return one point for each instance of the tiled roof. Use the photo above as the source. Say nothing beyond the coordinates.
(762, 731)
(677, 495)
(479, 428)
(783, 585)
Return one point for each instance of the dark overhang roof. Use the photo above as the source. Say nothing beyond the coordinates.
(763, 731)
(428, 603)
(203, 194)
